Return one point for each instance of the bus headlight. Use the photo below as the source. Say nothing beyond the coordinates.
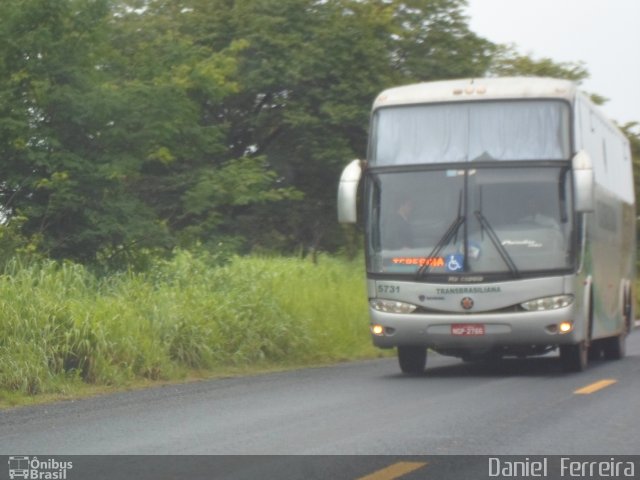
(548, 303)
(391, 306)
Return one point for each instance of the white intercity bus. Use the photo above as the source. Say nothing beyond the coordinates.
(499, 219)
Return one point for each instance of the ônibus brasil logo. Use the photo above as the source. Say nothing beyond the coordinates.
(33, 468)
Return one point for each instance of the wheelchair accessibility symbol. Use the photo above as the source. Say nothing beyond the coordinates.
(454, 262)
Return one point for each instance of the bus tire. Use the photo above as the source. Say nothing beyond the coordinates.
(412, 359)
(574, 358)
(614, 348)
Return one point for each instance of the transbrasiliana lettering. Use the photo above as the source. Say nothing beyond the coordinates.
(467, 290)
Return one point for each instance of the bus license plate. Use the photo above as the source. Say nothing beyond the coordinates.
(464, 329)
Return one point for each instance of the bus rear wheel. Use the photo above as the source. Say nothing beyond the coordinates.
(412, 359)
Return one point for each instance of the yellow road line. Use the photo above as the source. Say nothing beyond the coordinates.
(594, 387)
(396, 470)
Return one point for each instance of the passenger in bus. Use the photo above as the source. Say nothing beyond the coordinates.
(399, 231)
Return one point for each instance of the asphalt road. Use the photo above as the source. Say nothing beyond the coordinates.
(518, 407)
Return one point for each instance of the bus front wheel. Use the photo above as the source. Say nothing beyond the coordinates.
(615, 347)
(574, 358)
(412, 359)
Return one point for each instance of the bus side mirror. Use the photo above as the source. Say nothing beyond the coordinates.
(583, 182)
(348, 192)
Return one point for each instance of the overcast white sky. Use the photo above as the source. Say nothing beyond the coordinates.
(604, 34)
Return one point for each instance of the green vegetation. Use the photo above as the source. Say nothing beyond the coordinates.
(61, 325)
(632, 131)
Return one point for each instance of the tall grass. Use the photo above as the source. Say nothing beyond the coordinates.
(59, 323)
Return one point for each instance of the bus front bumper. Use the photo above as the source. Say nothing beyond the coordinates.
(476, 331)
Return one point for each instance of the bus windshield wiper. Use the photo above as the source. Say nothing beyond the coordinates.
(446, 238)
(484, 223)
(451, 232)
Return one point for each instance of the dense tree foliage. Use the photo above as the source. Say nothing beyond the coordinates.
(132, 126)
(632, 131)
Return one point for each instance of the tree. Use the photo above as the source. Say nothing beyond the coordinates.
(434, 42)
(104, 128)
(47, 104)
(507, 61)
(632, 131)
(201, 178)
(307, 74)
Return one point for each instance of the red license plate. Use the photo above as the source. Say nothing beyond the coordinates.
(467, 330)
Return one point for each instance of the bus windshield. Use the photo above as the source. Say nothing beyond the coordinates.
(485, 220)
(472, 131)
